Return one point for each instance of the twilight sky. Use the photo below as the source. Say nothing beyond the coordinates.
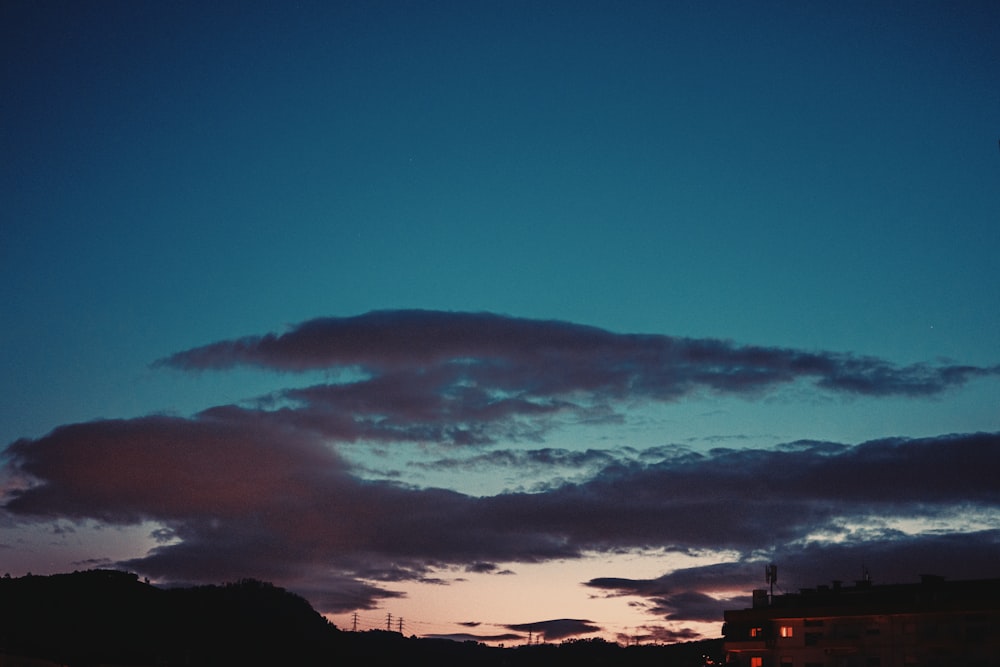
(503, 318)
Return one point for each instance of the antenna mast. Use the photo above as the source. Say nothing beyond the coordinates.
(771, 574)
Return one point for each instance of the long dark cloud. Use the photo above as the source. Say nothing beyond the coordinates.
(242, 497)
(263, 491)
(546, 358)
(556, 629)
(745, 497)
(481, 378)
(468, 637)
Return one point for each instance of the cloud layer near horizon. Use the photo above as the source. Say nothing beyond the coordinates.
(264, 492)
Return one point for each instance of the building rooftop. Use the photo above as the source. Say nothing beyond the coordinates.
(932, 593)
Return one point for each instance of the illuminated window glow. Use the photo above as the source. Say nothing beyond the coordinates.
(786, 631)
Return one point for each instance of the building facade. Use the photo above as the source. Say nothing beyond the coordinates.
(934, 623)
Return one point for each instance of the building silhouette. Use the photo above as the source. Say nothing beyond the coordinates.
(928, 624)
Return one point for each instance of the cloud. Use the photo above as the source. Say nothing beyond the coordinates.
(545, 458)
(238, 494)
(123, 471)
(683, 596)
(339, 593)
(467, 637)
(482, 568)
(745, 497)
(434, 404)
(659, 634)
(262, 491)
(476, 378)
(557, 629)
(546, 357)
(703, 593)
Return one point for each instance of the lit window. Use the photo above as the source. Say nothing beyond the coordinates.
(785, 631)
(755, 632)
(757, 662)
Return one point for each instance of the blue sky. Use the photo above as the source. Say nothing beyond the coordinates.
(816, 178)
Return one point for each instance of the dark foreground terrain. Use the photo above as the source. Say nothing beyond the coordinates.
(106, 617)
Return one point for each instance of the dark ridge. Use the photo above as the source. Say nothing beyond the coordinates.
(111, 618)
(107, 617)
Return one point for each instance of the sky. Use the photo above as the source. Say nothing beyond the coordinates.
(500, 320)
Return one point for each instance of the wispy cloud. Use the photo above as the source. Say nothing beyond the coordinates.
(543, 461)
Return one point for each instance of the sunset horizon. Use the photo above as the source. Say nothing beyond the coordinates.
(497, 321)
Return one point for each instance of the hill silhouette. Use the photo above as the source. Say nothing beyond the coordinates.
(108, 617)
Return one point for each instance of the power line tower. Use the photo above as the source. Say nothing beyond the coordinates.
(354, 627)
(388, 622)
(400, 621)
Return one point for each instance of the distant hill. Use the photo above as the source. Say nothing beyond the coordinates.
(107, 617)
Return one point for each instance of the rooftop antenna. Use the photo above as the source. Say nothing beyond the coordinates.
(771, 574)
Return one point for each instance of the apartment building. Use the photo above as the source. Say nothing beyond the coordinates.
(928, 624)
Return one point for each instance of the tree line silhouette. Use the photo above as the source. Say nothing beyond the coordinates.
(107, 617)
